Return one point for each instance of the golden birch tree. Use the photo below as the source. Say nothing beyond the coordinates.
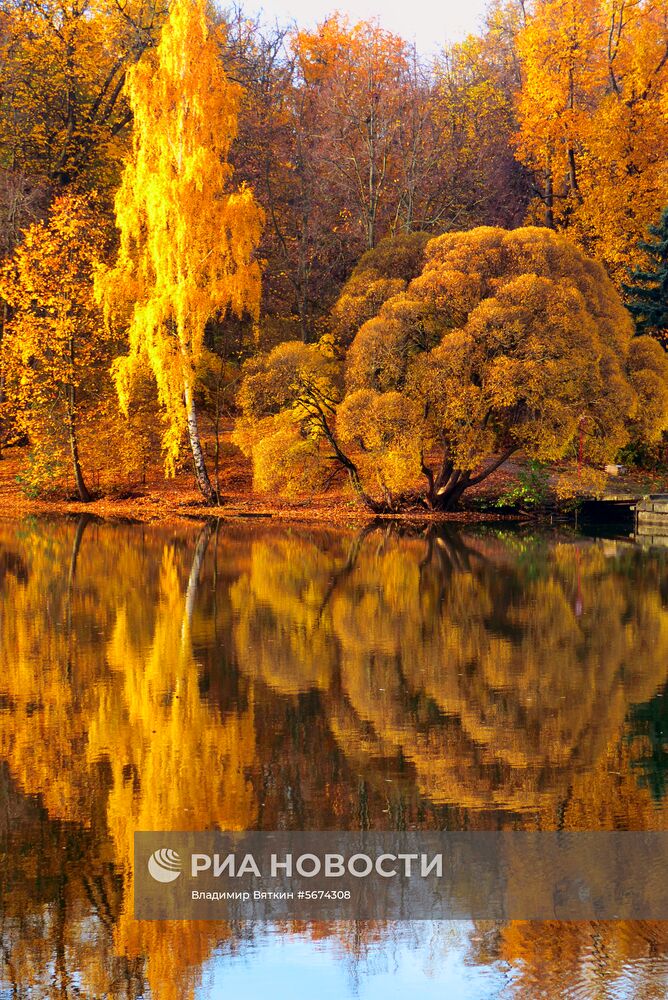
(187, 238)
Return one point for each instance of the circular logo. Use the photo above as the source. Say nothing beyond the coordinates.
(164, 865)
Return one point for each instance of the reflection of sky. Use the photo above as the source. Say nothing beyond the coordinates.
(428, 961)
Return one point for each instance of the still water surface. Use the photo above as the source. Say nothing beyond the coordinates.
(291, 678)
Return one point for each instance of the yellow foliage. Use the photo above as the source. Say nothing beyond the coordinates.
(285, 458)
(55, 348)
(284, 398)
(378, 356)
(384, 428)
(187, 239)
(594, 80)
(380, 273)
(62, 62)
(506, 340)
(580, 482)
(647, 366)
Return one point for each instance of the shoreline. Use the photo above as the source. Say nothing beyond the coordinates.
(160, 500)
(177, 500)
(146, 510)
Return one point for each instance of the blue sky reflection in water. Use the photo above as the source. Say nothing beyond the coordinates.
(427, 961)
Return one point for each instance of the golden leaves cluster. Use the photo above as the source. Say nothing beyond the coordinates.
(506, 340)
(187, 238)
(592, 121)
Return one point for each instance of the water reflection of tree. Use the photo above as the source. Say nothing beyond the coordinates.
(106, 723)
(585, 959)
(61, 899)
(164, 679)
(648, 732)
(454, 654)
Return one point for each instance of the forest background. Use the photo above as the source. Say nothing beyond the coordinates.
(554, 115)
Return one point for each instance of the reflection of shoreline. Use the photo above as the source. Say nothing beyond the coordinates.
(510, 693)
(319, 679)
(344, 599)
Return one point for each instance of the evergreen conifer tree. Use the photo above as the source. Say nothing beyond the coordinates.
(647, 294)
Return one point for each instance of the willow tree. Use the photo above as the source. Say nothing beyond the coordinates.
(187, 237)
(507, 341)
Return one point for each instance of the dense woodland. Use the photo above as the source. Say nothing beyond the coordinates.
(390, 273)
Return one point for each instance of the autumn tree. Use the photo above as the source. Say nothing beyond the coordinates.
(505, 341)
(378, 275)
(476, 179)
(326, 147)
(592, 124)
(64, 119)
(411, 146)
(288, 395)
(357, 77)
(55, 346)
(308, 242)
(346, 125)
(63, 113)
(647, 295)
(187, 237)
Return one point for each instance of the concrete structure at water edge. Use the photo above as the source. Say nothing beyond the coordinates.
(651, 514)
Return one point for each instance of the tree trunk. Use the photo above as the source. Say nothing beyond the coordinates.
(201, 474)
(572, 171)
(447, 497)
(82, 523)
(82, 489)
(447, 488)
(549, 195)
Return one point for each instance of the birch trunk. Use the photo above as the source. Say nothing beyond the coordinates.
(199, 464)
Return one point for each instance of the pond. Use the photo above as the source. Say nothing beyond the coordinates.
(263, 677)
